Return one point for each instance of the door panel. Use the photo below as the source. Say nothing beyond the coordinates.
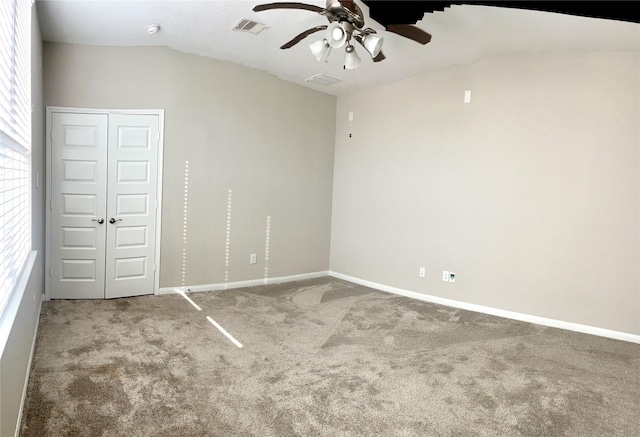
(79, 171)
(132, 205)
(131, 236)
(131, 202)
(78, 270)
(133, 172)
(78, 201)
(78, 238)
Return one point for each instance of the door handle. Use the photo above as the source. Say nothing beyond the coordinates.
(113, 220)
(100, 220)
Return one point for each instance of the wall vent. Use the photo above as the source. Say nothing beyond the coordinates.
(250, 26)
(323, 79)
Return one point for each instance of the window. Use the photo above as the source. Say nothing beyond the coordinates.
(15, 142)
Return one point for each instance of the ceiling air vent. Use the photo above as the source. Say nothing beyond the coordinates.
(246, 25)
(323, 79)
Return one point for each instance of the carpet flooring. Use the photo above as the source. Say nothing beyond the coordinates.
(322, 357)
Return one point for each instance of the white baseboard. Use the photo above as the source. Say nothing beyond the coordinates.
(601, 332)
(241, 284)
(26, 379)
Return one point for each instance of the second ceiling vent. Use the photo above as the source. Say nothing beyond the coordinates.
(250, 26)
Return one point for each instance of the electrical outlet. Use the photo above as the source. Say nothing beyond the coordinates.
(445, 276)
(253, 258)
(423, 272)
(452, 277)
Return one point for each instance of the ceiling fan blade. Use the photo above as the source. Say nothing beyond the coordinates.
(302, 36)
(288, 5)
(411, 32)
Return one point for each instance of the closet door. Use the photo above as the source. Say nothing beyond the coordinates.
(131, 204)
(78, 205)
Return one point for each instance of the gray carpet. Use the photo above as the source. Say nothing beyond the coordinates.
(321, 357)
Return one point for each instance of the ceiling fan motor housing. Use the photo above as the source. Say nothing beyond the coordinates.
(345, 11)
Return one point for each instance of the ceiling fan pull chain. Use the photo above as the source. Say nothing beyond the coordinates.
(353, 73)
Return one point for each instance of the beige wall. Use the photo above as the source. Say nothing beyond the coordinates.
(530, 193)
(269, 141)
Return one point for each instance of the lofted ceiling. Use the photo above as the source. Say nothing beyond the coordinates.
(462, 34)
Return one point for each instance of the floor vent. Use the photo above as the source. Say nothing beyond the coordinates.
(246, 25)
(323, 79)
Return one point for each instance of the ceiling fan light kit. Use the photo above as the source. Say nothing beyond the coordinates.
(373, 44)
(320, 50)
(336, 35)
(346, 23)
(351, 58)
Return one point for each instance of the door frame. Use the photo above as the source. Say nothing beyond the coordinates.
(48, 123)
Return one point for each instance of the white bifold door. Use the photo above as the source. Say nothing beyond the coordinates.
(104, 184)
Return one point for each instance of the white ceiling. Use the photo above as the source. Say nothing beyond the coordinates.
(461, 35)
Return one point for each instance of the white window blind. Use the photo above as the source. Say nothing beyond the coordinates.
(15, 142)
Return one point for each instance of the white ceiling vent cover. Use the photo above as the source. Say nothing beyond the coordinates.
(323, 79)
(246, 25)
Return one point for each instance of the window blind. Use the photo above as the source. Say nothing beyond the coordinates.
(15, 142)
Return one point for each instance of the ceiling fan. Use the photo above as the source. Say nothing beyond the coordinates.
(346, 23)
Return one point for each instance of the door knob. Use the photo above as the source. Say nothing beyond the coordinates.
(100, 220)
(113, 220)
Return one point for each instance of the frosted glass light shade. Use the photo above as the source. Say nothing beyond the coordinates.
(320, 50)
(351, 58)
(336, 35)
(373, 44)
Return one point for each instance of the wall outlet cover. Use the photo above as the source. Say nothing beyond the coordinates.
(452, 277)
(445, 276)
(422, 272)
